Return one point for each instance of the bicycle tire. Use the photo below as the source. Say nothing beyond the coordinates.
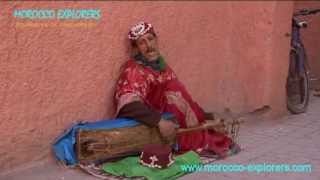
(303, 83)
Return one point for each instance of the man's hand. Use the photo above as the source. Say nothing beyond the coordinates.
(167, 129)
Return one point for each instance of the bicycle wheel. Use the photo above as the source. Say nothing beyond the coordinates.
(298, 83)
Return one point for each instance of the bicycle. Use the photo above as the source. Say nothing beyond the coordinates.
(298, 80)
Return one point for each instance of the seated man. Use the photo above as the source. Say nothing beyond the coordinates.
(148, 87)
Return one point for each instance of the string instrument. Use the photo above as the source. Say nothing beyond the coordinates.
(98, 146)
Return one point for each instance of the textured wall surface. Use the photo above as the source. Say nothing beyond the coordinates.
(311, 36)
(228, 54)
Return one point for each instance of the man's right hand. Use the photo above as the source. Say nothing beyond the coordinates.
(167, 129)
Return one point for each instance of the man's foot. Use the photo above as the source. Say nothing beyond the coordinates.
(234, 148)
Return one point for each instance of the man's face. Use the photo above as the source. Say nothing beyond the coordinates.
(148, 46)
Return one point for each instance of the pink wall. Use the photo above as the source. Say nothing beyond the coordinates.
(311, 36)
(228, 54)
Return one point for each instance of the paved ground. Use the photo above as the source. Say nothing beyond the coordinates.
(293, 140)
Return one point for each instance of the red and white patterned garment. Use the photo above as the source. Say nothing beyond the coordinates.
(162, 91)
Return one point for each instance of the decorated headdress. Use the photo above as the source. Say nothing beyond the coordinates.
(139, 30)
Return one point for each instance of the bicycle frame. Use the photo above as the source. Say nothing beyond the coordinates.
(298, 81)
(297, 45)
(296, 42)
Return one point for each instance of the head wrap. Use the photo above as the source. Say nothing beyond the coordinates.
(135, 33)
(139, 30)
